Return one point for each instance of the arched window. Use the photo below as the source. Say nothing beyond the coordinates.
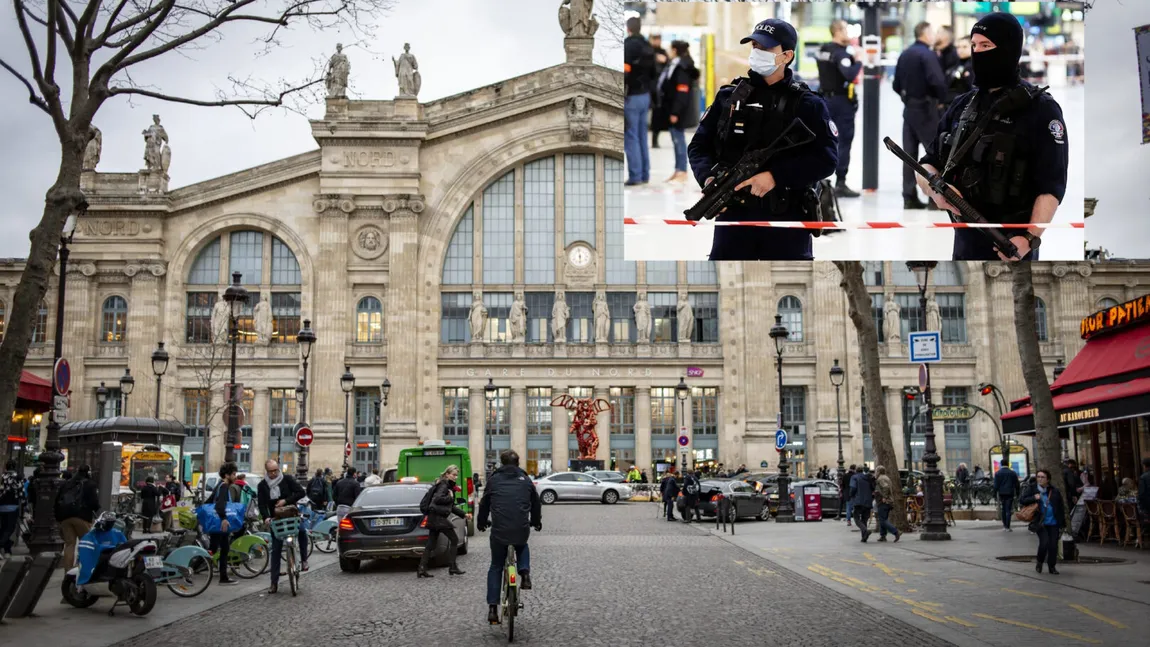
(499, 231)
(206, 269)
(1106, 302)
(115, 319)
(1040, 318)
(539, 221)
(368, 321)
(40, 330)
(285, 267)
(792, 311)
(459, 269)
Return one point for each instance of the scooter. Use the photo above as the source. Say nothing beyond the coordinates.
(113, 566)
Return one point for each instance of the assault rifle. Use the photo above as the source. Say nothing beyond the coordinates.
(965, 212)
(721, 191)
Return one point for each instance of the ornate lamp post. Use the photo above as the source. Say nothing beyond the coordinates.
(306, 339)
(127, 384)
(101, 398)
(786, 511)
(986, 388)
(934, 527)
(159, 367)
(45, 532)
(237, 297)
(347, 383)
(299, 397)
(681, 392)
(489, 393)
(838, 375)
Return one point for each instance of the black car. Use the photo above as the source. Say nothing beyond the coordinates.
(830, 498)
(385, 522)
(747, 502)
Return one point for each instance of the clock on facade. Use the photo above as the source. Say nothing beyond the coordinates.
(579, 256)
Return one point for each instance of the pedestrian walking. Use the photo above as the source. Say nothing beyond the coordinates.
(962, 478)
(317, 491)
(639, 81)
(862, 496)
(845, 488)
(11, 502)
(1006, 485)
(918, 80)
(150, 495)
(838, 70)
(441, 507)
(669, 489)
(374, 479)
(1071, 482)
(221, 496)
(77, 503)
(678, 107)
(346, 491)
(1049, 520)
(884, 499)
(277, 496)
(691, 497)
(661, 62)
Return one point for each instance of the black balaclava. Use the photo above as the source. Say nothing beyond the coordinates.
(998, 67)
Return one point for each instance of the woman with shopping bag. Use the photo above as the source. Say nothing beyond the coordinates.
(222, 517)
(1045, 510)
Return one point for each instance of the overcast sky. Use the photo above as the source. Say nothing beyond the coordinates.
(1117, 163)
(459, 44)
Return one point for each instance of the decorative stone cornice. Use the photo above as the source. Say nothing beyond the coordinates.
(333, 203)
(86, 269)
(151, 267)
(995, 270)
(412, 203)
(1062, 270)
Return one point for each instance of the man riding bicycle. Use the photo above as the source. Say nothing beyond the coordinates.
(514, 508)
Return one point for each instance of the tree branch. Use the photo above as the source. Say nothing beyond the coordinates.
(62, 26)
(104, 74)
(111, 29)
(124, 58)
(50, 94)
(32, 97)
(50, 56)
(278, 100)
(87, 20)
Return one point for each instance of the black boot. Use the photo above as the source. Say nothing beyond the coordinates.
(912, 203)
(493, 614)
(525, 580)
(844, 191)
(454, 570)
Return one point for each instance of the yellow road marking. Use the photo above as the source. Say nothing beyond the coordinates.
(1098, 616)
(761, 572)
(870, 557)
(740, 563)
(960, 621)
(851, 561)
(927, 616)
(1054, 632)
(1029, 595)
(912, 590)
(956, 581)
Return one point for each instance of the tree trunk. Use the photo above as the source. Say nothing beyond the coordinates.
(62, 199)
(858, 301)
(1047, 449)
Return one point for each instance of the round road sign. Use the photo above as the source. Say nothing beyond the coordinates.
(303, 436)
(62, 373)
(683, 440)
(347, 449)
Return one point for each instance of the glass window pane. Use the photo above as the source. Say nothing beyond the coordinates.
(952, 309)
(285, 316)
(206, 269)
(901, 276)
(700, 273)
(662, 273)
(498, 315)
(792, 311)
(579, 198)
(365, 454)
(539, 305)
(285, 267)
(872, 272)
(619, 271)
(581, 323)
(40, 329)
(622, 401)
(910, 314)
(369, 321)
(1040, 318)
(665, 316)
(705, 411)
(539, 221)
(247, 256)
(115, 319)
(664, 412)
(456, 412)
(539, 411)
(499, 231)
(876, 303)
(457, 269)
(246, 323)
(621, 305)
(453, 323)
(199, 317)
(706, 308)
(947, 273)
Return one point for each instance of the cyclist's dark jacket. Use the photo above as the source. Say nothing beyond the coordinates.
(346, 491)
(513, 505)
(290, 491)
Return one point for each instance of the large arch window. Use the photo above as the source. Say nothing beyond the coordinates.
(40, 330)
(579, 198)
(1040, 319)
(1106, 302)
(619, 271)
(457, 270)
(369, 321)
(792, 311)
(115, 319)
(499, 231)
(539, 221)
(268, 269)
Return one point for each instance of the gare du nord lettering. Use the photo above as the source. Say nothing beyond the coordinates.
(369, 159)
(558, 372)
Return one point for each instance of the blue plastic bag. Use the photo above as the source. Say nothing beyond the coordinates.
(211, 522)
(91, 546)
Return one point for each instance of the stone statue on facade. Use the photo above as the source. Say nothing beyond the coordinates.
(262, 314)
(602, 318)
(478, 318)
(559, 314)
(94, 148)
(518, 319)
(643, 319)
(221, 318)
(155, 143)
(338, 69)
(933, 318)
(891, 324)
(579, 118)
(407, 72)
(575, 19)
(686, 316)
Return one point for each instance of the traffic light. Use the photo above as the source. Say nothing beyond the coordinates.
(911, 392)
(986, 389)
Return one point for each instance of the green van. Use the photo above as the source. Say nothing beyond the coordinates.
(424, 464)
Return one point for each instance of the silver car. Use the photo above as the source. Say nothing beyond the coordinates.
(608, 475)
(580, 486)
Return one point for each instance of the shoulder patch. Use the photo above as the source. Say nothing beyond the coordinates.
(846, 62)
(834, 128)
(1058, 131)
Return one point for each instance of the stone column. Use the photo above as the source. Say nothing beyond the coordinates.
(603, 428)
(560, 430)
(826, 325)
(329, 311)
(79, 318)
(519, 422)
(144, 324)
(643, 428)
(261, 428)
(1073, 304)
(403, 364)
(758, 355)
(1007, 375)
(476, 441)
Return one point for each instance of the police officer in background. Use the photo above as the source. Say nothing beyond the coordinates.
(661, 61)
(638, 82)
(944, 46)
(838, 70)
(918, 80)
(1007, 158)
(960, 78)
(750, 114)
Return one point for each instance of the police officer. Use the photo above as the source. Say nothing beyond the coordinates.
(838, 70)
(945, 47)
(749, 114)
(638, 81)
(960, 78)
(661, 61)
(1003, 146)
(918, 79)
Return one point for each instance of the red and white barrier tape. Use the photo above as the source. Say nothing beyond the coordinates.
(853, 225)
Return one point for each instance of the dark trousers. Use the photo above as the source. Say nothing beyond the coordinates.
(843, 112)
(669, 507)
(221, 541)
(919, 127)
(495, 571)
(1048, 538)
(1007, 503)
(278, 549)
(862, 518)
(691, 509)
(8, 523)
(433, 541)
(973, 245)
(884, 524)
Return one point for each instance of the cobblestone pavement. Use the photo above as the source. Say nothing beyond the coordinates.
(612, 575)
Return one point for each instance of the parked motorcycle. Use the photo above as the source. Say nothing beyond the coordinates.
(113, 566)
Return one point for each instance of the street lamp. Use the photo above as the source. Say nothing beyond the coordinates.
(237, 297)
(299, 403)
(45, 530)
(347, 383)
(911, 394)
(127, 383)
(838, 375)
(934, 527)
(986, 388)
(489, 393)
(385, 388)
(786, 510)
(159, 367)
(306, 339)
(681, 392)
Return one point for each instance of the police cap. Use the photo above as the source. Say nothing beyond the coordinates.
(772, 32)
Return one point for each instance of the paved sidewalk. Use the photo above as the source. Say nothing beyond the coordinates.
(60, 625)
(960, 591)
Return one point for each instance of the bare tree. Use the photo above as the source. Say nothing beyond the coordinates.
(1047, 448)
(97, 44)
(859, 310)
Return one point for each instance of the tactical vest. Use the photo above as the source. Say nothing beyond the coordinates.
(831, 81)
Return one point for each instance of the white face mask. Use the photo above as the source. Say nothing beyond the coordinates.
(763, 62)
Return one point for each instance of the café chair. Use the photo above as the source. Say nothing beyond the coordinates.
(1133, 527)
(1093, 519)
(1109, 514)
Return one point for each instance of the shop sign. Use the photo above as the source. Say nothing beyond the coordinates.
(1080, 415)
(952, 412)
(1119, 316)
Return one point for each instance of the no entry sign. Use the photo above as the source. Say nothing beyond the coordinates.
(303, 436)
(347, 449)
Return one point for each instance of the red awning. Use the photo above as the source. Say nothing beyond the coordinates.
(34, 392)
(1122, 352)
(1096, 404)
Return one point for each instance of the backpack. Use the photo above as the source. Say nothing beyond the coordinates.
(316, 489)
(425, 502)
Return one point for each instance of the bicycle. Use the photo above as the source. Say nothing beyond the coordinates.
(286, 530)
(509, 593)
(248, 555)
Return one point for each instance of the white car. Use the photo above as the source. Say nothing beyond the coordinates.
(579, 486)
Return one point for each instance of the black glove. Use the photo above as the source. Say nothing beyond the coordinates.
(481, 527)
(538, 526)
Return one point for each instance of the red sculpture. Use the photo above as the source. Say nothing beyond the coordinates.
(583, 426)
